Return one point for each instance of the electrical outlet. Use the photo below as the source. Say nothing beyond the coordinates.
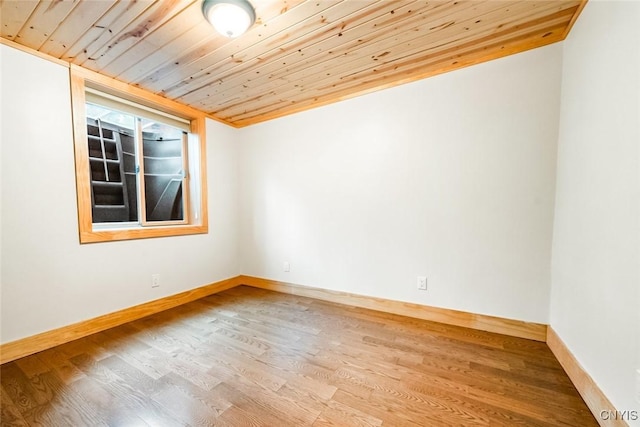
(155, 280)
(422, 283)
(286, 266)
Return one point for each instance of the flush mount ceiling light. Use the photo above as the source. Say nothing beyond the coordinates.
(229, 17)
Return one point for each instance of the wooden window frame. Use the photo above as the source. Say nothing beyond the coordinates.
(197, 222)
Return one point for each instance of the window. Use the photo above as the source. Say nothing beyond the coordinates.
(140, 167)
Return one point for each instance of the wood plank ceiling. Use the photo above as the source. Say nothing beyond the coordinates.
(298, 55)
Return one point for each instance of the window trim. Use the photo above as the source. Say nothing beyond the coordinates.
(80, 78)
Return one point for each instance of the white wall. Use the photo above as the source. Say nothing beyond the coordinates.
(595, 302)
(451, 177)
(50, 280)
(1, 127)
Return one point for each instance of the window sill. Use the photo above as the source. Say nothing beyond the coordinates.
(141, 233)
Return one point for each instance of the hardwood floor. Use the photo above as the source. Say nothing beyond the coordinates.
(250, 357)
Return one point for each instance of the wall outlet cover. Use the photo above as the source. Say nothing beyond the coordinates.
(422, 283)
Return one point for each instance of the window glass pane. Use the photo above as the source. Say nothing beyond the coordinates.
(163, 152)
(107, 115)
(114, 103)
(113, 193)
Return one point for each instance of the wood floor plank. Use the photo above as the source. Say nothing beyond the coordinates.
(254, 357)
(18, 387)
(338, 414)
(184, 408)
(72, 408)
(277, 402)
(251, 408)
(9, 412)
(57, 361)
(214, 399)
(390, 415)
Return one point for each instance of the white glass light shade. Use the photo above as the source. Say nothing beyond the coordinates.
(230, 18)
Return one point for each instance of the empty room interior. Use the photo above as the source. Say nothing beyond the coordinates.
(332, 212)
